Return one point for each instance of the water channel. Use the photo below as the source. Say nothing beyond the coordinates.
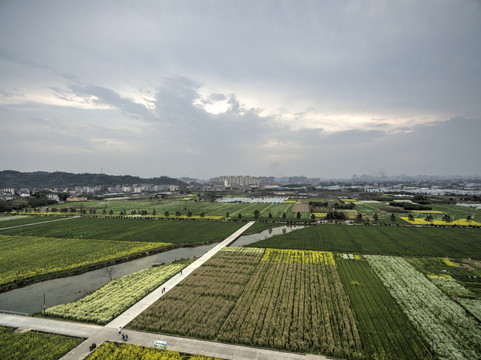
(30, 299)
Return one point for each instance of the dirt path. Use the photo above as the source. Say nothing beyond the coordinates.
(303, 208)
(42, 222)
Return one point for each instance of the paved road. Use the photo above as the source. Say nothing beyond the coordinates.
(49, 325)
(41, 222)
(98, 334)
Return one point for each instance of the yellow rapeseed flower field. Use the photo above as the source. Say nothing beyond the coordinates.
(461, 222)
(299, 256)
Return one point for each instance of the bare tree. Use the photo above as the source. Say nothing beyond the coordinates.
(110, 271)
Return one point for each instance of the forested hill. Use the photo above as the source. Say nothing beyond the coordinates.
(17, 179)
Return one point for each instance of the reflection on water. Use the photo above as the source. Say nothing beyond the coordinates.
(250, 239)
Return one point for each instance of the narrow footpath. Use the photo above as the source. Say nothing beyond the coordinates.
(41, 222)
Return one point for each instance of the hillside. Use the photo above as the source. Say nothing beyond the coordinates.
(17, 179)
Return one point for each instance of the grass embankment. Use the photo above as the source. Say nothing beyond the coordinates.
(381, 240)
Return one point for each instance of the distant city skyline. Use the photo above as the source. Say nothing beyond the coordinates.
(203, 88)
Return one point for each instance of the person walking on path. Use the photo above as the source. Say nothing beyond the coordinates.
(120, 330)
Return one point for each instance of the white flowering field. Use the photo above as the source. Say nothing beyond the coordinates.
(457, 335)
(117, 296)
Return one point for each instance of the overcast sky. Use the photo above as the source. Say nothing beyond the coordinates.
(207, 88)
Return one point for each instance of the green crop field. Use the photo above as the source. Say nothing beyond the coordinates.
(9, 221)
(246, 210)
(168, 231)
(28, 257)
(458, 212)
(34, 345)
(454, 242)
(385, 330)
(370, 207)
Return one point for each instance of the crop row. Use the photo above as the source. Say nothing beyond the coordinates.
(112, 351)
(117, 296)
(299, 256)
(296, 305)
(199, 305)
(196, 208)
(29, 257)
(385, 330)
(432, 312)
(34, 345)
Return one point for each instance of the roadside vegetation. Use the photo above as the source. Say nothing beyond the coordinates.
(113, 351)
(34, 345)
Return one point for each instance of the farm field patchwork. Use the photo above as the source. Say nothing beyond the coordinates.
(295, 301)
(381, 240)
(291, 300)
(117, 296)
(30, 257)
(163, 231)
(385, 330)
(112, 351)
(185, 206)
(34, 345)
(433, 313)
